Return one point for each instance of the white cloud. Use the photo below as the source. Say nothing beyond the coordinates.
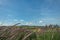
(1, 23)
(21, 20)
(40, 21)
(28, 23)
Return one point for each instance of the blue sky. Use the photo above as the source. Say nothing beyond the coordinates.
(29, 12)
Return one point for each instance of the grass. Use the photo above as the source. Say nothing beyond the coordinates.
(28, 33)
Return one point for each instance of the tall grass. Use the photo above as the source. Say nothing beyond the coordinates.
(23, 34)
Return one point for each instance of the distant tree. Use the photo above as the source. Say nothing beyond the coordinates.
(46, 26)
(50, 26)
(56, 26)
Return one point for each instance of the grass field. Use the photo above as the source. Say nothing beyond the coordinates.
(29, 33)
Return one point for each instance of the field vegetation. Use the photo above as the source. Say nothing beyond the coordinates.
(51, 32)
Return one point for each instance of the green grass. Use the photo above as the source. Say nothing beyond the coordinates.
(48, 35)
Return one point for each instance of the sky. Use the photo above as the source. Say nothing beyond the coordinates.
(29, 12)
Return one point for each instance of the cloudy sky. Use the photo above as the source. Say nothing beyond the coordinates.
(29, 12)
